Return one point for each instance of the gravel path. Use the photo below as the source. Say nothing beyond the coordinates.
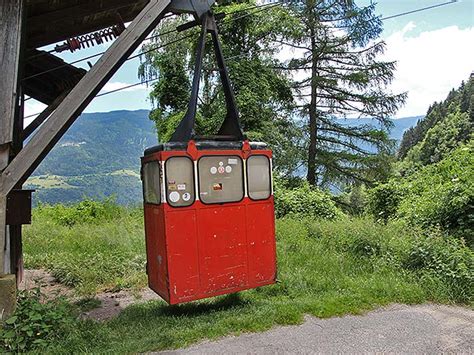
(404, 329)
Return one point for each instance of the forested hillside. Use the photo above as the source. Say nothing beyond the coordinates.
(447, 125)
(434, 186)
(98, 157)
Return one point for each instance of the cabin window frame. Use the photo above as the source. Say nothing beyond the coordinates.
(147, 184)
(223, 156)
(270, 187)
(165, 180)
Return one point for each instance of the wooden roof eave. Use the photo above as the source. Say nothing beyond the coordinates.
(52, 21)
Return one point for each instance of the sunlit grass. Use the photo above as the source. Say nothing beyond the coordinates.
(325, 268)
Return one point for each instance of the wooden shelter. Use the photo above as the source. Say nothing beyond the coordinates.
(25, 26)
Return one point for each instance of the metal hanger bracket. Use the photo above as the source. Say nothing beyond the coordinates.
(231, 129)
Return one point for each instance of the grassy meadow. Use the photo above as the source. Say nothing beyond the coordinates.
(325, 268)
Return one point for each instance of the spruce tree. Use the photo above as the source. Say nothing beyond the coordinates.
(340, 76)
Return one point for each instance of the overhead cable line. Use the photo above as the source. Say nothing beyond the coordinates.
(418, 10)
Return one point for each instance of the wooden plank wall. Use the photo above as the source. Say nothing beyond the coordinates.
(10, 41)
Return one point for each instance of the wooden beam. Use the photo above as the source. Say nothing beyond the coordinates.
(10, 38)
(42, 35)
(42, 116)
(11, 13)
(4, 236)
(92, 8)
(79, 97)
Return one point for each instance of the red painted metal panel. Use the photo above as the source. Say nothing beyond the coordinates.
(222, 248)
(261, 242)
(182, 246)
(157, 257)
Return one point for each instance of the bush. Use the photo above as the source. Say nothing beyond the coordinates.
(304, 201)
(353, 202)
(35, 324)
(86, 211)
(444, 265)
(432, 254)
(384, 200)
(440, 194)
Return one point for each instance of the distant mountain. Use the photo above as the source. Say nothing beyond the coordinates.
(400, 125)
(100, 155)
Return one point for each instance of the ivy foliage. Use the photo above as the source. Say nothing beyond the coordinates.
(36, 323)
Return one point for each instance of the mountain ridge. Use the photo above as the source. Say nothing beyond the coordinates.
(99, 156)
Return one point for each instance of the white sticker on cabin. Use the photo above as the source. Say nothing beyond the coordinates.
(174, 196)
(186, 196)
(232, 161)
(181, 187)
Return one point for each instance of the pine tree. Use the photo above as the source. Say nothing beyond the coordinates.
(337, 49)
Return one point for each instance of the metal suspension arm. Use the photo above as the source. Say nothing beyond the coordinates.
(230, 129)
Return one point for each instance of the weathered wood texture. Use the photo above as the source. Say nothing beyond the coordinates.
(75, 102)
(4, 250)
(51, 21)
(11, 13)
(10, 38)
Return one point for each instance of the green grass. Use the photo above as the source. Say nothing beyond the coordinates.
(105, 255)
(325, 268)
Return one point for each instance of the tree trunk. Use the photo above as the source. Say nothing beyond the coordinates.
(313, 114)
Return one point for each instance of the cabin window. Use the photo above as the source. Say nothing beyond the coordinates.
(259, 177)
(151, 183)
(221, 179)
(179, 181)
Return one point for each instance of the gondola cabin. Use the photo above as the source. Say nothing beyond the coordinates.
(209, 219)
(209, 212)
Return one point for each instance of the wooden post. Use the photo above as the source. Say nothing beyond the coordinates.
(42, 116)
(11, 12)
(81, 95)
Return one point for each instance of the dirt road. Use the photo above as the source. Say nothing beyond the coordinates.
(395, 329)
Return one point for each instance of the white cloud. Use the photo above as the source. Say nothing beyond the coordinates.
(429, 64)
(32, 107)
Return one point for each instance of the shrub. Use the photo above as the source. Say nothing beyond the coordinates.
(86, 211)
(35, 324)
(353, 202)
(440, 194)
(430, 255)
(434, 255)
(384, 200)
(304, 201)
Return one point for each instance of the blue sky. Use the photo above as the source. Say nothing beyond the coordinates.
(434, 50)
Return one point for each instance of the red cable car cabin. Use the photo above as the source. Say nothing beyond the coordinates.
(209, 219)
(209, 212)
